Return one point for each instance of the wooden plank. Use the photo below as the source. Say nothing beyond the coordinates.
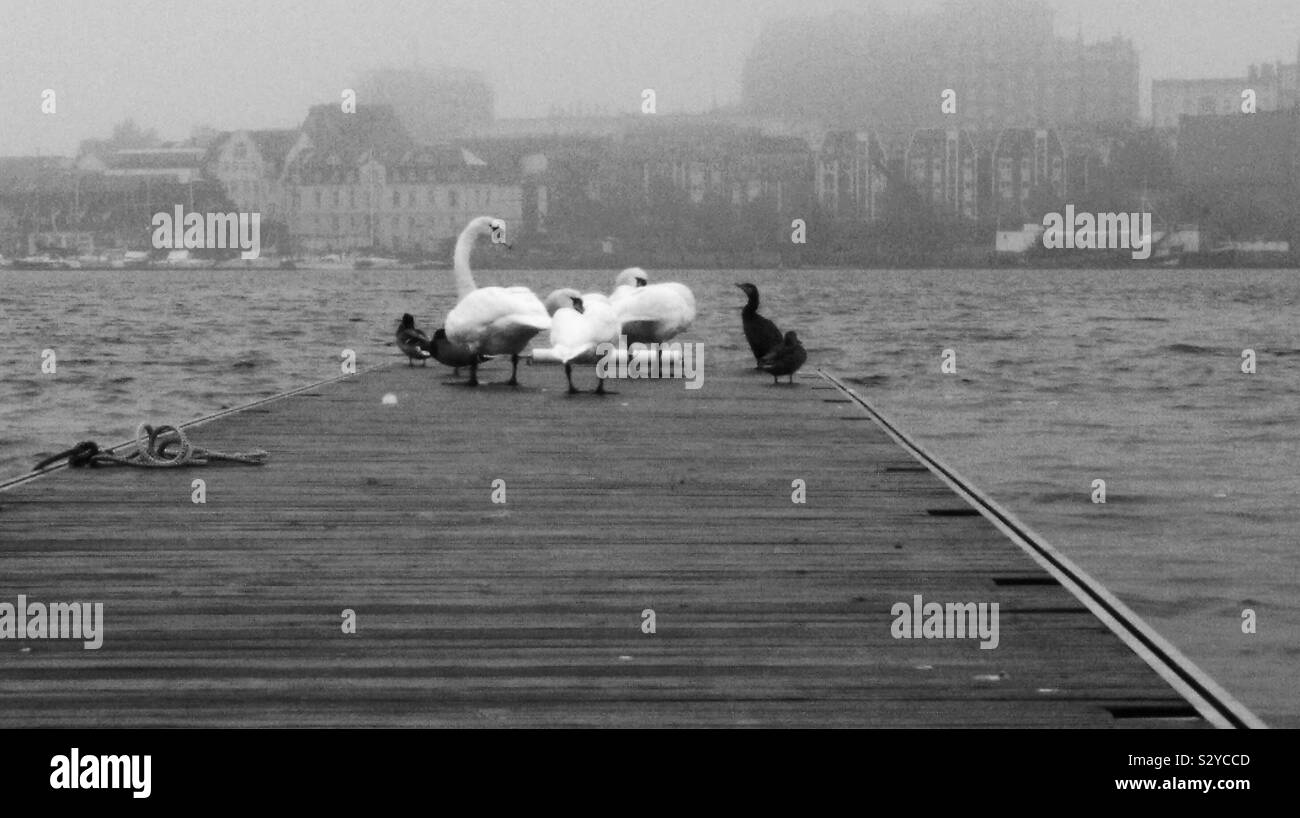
(528, 613)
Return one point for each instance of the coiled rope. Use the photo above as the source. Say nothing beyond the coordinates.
(151, 451)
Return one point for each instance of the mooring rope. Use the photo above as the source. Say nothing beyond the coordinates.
(151, 451)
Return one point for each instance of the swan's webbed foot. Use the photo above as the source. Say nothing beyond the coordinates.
(473, 376)
(514, 370)
(600, 388)
(568, 375)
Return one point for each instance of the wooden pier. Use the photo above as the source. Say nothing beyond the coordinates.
(529, 612)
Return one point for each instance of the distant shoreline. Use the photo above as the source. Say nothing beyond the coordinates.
(960, 260)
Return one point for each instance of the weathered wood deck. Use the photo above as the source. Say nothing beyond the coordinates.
(529, 613)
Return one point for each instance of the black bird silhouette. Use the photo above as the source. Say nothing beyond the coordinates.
(452, 355)
(760, 332)
(785, 359)
(412, 341)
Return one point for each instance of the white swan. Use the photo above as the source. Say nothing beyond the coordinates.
(626, 283)
(491, 320)
(579, 328)
(651, 313)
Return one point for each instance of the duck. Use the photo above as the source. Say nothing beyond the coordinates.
(651, 313)
(761, 332)
(578, 330)
(412, 341)
(452, 355)
(491, 320)
(785, 359)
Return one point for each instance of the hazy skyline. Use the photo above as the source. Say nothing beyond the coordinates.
(243, 64)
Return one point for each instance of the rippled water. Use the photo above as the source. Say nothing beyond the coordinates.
(1063, 377)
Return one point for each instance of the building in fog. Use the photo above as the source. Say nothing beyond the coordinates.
(1173, 99)
(558, 176)
(943, 167)
(251, 165)
(709, 162)
(182, 164)
(328, 129)
(434, 105)
(101, 200)
(850, 175)
(1091, 83)
(1276, 87)
(1086, 154)
(1000, 57)
(1243, 173)
(1025, 163)
(35, 191)
(407, 203)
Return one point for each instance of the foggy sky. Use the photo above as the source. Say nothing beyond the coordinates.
(262, 63)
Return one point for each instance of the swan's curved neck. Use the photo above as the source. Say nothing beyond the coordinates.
(752, 305)
(460, 261)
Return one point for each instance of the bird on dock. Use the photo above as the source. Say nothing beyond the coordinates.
(651, 313)
(577, 330)
(491, 320)
(761, 333)
(558, 300)
(412, 341)
(785, 359)
(452, 355)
